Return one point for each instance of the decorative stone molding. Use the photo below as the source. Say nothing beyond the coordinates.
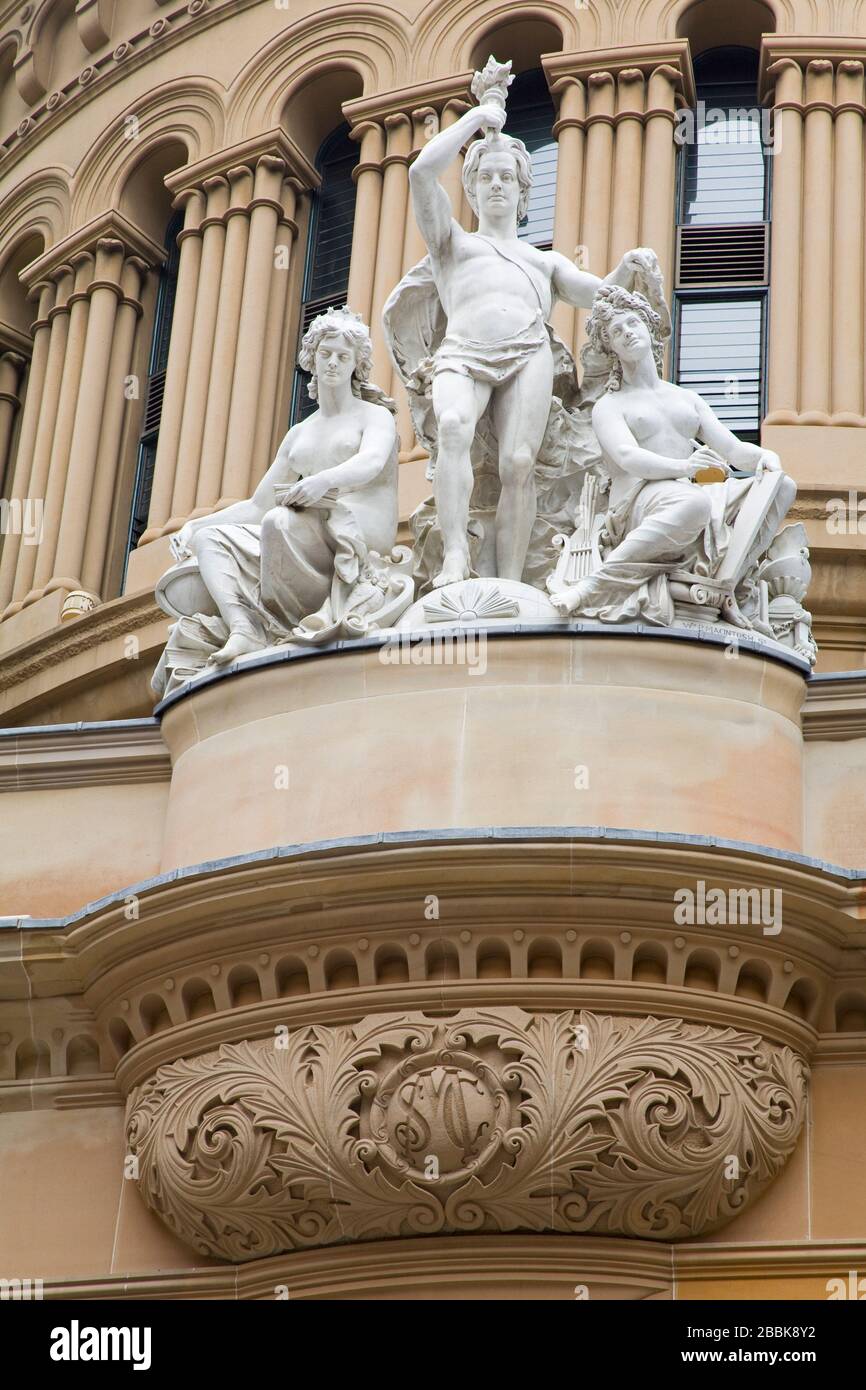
(493, 1120)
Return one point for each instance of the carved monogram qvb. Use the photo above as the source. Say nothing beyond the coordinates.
(492, 1120)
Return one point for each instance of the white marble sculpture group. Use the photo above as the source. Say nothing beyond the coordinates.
(619, 499)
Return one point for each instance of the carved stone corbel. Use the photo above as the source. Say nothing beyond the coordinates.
(492, 1120)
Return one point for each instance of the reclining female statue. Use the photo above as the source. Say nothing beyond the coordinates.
(305, 548)
(655, 437)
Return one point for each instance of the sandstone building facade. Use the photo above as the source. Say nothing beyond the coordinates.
(431, 884)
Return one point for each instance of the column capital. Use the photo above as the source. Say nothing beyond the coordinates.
(14, 343)
(626, 63)
(436, 95)
(782, 51)
(110, 230)
(271, 145)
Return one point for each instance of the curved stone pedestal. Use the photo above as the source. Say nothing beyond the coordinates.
(479, 728)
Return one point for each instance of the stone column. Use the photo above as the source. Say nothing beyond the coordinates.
(784, 354)
(392, 224)
(41, 334)
(368, 199)
(12, 366)
(213, 231)
(628, 159)
(847, 401)
(83, 264)
(617, 133)
(104, 293)
(568, 130)
(817, 244)
(452, 179)
(425, 123)
(265, 211)
(287, 231)
(17, 578)
(128, 314)
(658, 190)
(192, 200)
(595, 212)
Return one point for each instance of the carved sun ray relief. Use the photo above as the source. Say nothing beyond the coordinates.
(620, 499)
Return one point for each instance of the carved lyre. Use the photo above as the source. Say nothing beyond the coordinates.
(579, 552)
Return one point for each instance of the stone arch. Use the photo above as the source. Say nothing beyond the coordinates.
(711, 24)
(292, 977)
(442, 961)
(597, 960)
(314, 109)
(650, 963)
(198, 999)
(82, 1056)
(244, 986)
(702, 971)
(753, 981)
(39, 207)
(493, 959)
(850, 1012)
(544, 959)
(451, 37)
(16, 310)
(143, 197)
(187, 113)
(32, 1060)
(375, 38)
(391, 965)
(341, 970)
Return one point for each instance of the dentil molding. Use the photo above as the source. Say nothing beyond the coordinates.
(490, 1120)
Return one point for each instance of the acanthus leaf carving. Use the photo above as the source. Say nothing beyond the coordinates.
(492, 1120)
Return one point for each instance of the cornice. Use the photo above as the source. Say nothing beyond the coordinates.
(436, 93)
(643, 58)
(388, 1268)
(804, 50)
(110, 225)
(165, 30)
(835, 707)
(415, 1266)
(744, 1259)
(119, 617)
(274, 918)
(270, 143)
(82, 755)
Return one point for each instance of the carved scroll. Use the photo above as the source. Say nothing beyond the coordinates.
(492, 1120)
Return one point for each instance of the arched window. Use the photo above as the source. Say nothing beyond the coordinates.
(530, 118)
(723, 241)
(329, 247)
(155, 389)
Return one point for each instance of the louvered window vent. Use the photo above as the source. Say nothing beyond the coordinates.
(722, 255)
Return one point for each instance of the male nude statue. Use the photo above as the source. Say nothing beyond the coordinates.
(497, 293)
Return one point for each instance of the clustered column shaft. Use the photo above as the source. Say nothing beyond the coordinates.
(817, 328)
(69, 443)
(219, 420)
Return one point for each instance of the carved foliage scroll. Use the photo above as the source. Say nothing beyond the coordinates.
(490, 1120)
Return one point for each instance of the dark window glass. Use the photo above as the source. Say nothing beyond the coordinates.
(530, 118)
(724, 166)
(329, 247)
(723, 183)
(719, 355)
(155, 389)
